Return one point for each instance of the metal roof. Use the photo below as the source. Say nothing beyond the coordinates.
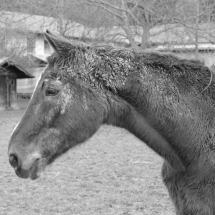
(17, 69)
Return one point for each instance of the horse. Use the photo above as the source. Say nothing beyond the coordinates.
(166, 101)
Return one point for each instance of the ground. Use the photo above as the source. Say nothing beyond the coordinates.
(112, 173)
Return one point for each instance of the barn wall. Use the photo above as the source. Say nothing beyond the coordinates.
(42, 46)
(27, 85)
(39, 45)
(12, 102)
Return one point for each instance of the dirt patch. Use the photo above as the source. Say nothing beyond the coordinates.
(113, 173)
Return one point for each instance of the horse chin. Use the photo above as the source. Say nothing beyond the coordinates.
(37, 168)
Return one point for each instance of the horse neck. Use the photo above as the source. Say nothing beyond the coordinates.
(167, 131)
(155, 106)
(124, 115)
(138, 125)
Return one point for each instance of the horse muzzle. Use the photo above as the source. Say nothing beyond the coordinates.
(30, 167)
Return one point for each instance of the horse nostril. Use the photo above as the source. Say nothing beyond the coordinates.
(14, 160)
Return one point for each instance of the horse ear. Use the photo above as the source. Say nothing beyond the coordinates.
(59, 44)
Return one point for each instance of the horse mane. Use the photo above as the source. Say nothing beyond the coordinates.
(108, 67)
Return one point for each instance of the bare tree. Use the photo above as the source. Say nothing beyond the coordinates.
(138, 21)
(141, 23)
(136, 17)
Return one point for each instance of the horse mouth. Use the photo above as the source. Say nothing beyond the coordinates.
(37, 167)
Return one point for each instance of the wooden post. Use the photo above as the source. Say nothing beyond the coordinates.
(8, 93)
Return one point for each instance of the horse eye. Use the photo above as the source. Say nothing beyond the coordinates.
(51, 92)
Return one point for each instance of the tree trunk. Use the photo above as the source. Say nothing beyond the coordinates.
(145, 37)
(126, 27)
(197, 31)
(61, 15)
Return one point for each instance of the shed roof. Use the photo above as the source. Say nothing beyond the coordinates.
(14, 68)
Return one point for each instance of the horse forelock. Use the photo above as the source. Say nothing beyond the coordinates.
(98, 66)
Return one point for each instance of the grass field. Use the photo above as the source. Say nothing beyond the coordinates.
(113, 173)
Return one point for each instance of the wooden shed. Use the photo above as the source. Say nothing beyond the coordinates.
(26, 86)
(10, 71)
